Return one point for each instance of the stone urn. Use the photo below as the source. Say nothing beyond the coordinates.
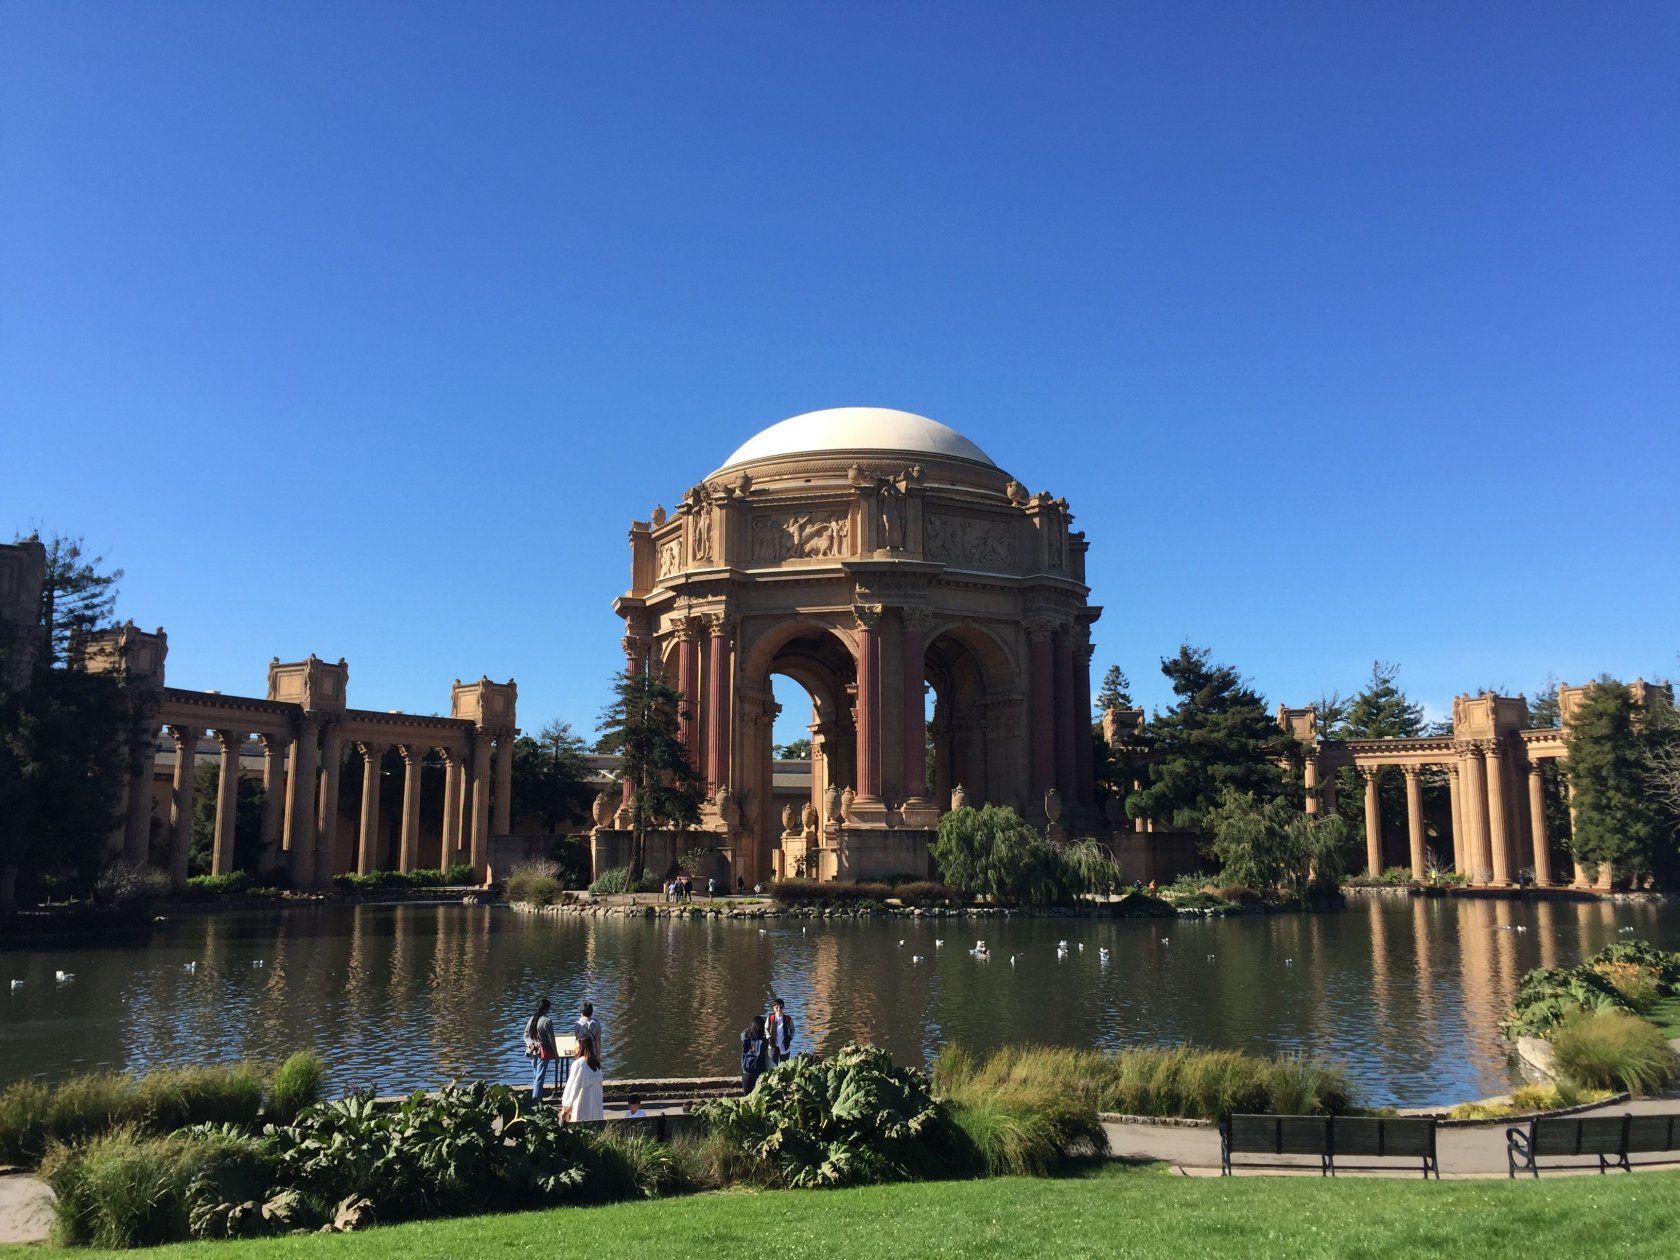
(790, 820)
(1053, 806)
(603, 809)
(725, 802)
(959, 797)
(846, 799)
(808, 819)
(831, 804)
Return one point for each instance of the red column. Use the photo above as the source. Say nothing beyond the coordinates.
(914, 706)
(1067, 774)
(717, 703)
(688, 683)
(635, 660)
(1042, 666)
(1082, 717)
(868, 704)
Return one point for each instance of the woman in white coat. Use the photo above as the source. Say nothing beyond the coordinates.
(582, 1097)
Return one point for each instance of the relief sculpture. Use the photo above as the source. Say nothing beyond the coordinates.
(963, 540)
(670, 557)
(800, 535)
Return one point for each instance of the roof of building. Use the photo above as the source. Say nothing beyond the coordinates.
(863, 430)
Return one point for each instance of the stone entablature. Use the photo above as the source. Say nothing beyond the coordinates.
(869, 575)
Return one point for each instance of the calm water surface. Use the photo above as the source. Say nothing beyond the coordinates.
(1407, 993)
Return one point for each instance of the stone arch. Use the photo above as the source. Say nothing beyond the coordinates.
(974, 741)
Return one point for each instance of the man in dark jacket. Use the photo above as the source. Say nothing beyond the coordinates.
(780, 1030)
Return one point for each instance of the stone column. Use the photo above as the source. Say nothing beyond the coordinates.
(451, 807)
(1041, 684)
(1498, 839)
(1414, 819)
(718, 692)
(1373, 822)
(1309, 780)
(227, 800)
(1461, 851)
(1067, 771)
(300, 804)
(868, 702)
(1537, 823)
(504, 785)
(326, 827)
(137, 830)
(480, 840)
(1084, 770)
(274, 799)
(186, 758)
(367, 848)
(914, 704)
(688, 683)
(1473, 809)
(414, 756)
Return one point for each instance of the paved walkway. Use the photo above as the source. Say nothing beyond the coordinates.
(25, 1209)
(1464, 1150)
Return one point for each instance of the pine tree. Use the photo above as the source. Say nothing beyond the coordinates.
(75, 596)
(1115, 692)
(1218, 735)
(642, 726)
(1616, 819)
(550, 777)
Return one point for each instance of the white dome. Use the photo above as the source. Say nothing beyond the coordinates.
(860, 429)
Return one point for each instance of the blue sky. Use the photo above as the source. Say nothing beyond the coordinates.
(1349, 331)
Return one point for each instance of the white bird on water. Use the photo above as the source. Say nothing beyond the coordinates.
(1102, 954)
(1081, 947)
(1210, 957)
(1288, 962)
(257, 962)
(915, 958)
(979, 945)
(1012, 959)
(764, 931)
(901, 944)
(16, 985)
(1626, 929)
(189, 968)
(938, 944)
(1166, 941)
(65, 977)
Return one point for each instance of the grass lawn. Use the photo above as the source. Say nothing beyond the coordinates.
(1115, 1212)
(1666, 1016)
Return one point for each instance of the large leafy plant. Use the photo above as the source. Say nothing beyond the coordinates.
(852, 1119)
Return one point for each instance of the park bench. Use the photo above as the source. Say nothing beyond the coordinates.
(1611, 1138)
(1330, 1138)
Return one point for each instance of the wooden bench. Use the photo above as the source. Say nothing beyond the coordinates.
(1611, 1138)
(1330, 1138)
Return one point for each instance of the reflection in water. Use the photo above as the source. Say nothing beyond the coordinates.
(1408, 992)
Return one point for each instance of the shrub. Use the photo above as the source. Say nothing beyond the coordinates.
(1205, 903)
(1238, 894)
(123, 1189)
(1150, 1081)
(852, 1119)
(173, 1098)
(460, 873)
(124, 884)
(814, 892)
(23, 1121)
(231, 884)
(296, 1084)
(1630, 976)
(617, 880)
(535, 890)
(1138, 905)
(643, 1165)
(924, 892)
(1612, 1050)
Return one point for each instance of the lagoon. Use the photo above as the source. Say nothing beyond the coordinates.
(1407, 992)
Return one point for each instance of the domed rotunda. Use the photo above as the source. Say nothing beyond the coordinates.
(870, 555)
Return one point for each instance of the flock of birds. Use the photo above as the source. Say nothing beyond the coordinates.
(190, 968)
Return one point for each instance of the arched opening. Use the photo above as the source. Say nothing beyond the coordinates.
(972, 719)
(807, 686)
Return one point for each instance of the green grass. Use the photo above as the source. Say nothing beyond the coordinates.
(1117, 1212)
(1665, 1014)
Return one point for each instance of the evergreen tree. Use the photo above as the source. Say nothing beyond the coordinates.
(642, 726)
(1115, 692)
(551, 778)
(794, 750)
(1379, 710)
(75, 596)
(1543, 710)
(1218, 735)
(1616, 819)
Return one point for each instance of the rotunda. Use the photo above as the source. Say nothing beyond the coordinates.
(871, 555)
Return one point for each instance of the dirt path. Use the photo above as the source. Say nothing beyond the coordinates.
(25, 1209)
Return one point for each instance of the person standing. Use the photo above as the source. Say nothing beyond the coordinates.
(755, 1053)
(590, 1027)
(540, 1048)
(581, 1099)
(780, 1032)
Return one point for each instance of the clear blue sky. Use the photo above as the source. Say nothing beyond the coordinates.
(1349, 330)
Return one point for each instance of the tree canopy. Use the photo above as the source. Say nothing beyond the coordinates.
(1217, 736)
(1271, 846)
(642, 726)
(1617, 817)
(76, 596)
(1115, 691)
(551, 778)
(794, 750)
(993, 852)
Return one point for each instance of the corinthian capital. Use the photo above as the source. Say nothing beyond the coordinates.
(868, 616)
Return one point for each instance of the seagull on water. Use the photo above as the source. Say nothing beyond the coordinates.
(1288, 962)
(1165, 940)
(16, 985)
(65, 977)
(189, 968)
(901, 944)
(938, 944)
(1210, 957)
(1102, 954)
(916, 958)
(1081, 947)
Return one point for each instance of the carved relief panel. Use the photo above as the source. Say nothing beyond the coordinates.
(964, 540)
(670, 556)
(798, 535)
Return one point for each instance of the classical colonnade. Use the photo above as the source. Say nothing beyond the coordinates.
(303, 727)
